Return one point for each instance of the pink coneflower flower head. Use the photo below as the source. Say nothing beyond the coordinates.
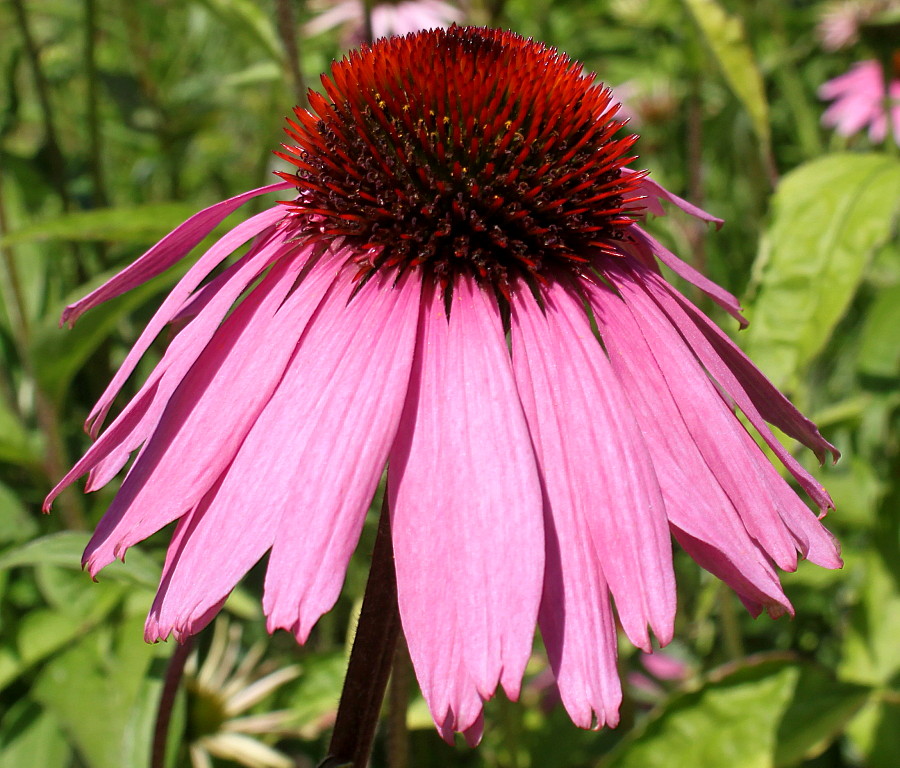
(396, 17)
(841, 21)
(858, 100)
(460, 290)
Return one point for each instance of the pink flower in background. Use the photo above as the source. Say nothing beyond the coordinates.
(388, 18)
(858, 102)
(841, 21)
(424, 303)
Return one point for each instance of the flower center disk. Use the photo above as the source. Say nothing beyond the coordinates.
(462, 151)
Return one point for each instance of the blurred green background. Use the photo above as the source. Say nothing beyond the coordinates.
(120, 118)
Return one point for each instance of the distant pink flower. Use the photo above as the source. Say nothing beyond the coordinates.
(858, 97)
(462, 213)
(388, 18)
(841, 21)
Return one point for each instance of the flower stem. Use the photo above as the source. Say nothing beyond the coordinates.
(398, 704)
(370, 659)
(172, 682)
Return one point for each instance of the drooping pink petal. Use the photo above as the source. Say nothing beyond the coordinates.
(655, 192)
(213, 408)
(180, 293)
(197, 300)
(465, 511)
(773, 515)
(772, 405)
(165, 253)
(810, 537)
(279, 466)
(596, 470)
(140, 416)
(685, 423)
(665, 297)
(174, 609)
(723, 298)
(334, 420)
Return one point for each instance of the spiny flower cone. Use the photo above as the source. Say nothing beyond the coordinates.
(460, 289)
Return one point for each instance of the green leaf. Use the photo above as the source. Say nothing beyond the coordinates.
(871, 653)
(58, 353)
(18, 445)
(98, 690)
(828, 216)
(879, 346)
(820, 709)
(770, 711)
(249, 21)
(876, 733)
(15, 522)
(145, 223)
(726, 38)
(65, 549)
(31, 738)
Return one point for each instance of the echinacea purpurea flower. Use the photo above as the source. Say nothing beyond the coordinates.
(462, 213)
(858, 101)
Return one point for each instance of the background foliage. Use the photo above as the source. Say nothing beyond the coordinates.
(119, 118)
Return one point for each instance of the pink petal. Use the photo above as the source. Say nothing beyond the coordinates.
(655, 192)
(597, 472)
(685, 423)
(214, 547)
(723, 298)
(213, 408)
(772, 405)
(771, 512)
(166, 252)
(333, 421)
(180, 293)
(465, 511)
(673, 304)
(140, 417)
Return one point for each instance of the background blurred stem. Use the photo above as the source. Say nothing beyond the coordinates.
(805, 118)
(731, 630)
(55, 461)
(54, 155)
(697, 231)
(141, 56)
(286, 22)
(367, 20)
(95, 139)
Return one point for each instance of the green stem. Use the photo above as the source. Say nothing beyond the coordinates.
(731, 631)
(55, 460)
(368, 34)
(93, 113)
(54, 154)
(287, 29)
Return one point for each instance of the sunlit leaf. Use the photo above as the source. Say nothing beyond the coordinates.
(144, 223)
(58, 353)
(879, 347)
(31, 738)
(765, 712)
(726, 38)
(249, 21)
(828, 216)
(18, 445)
(93, 689)
(65, 549)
